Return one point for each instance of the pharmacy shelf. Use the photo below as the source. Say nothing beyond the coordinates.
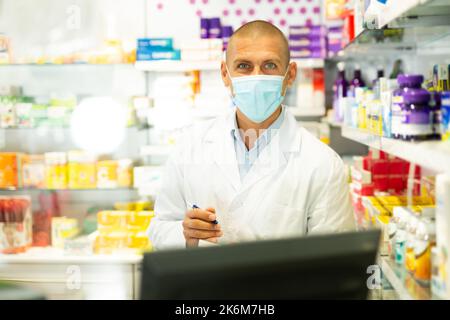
(185, 66)
(403, 283)
(121, 190)
(309, 63)
(55, 255)
(434, 155)
(176, 66)
(397, 12)
(306, 112)
(68, 65)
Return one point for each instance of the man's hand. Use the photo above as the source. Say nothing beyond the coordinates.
(198, 224)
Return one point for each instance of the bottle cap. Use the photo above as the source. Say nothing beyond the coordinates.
(410, 79)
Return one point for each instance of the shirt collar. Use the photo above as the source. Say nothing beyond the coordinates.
(234, 131)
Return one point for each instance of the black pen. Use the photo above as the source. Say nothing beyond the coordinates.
(196, 207)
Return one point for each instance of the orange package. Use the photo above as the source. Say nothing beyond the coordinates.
(9, 163)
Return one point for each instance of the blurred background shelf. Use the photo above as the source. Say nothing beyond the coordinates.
(434, 155)
(185, 66)
(401, 11)
(68, 190)
(403, 283)
(64, 65)
(156, 150)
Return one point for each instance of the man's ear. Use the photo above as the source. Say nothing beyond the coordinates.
(224, 73)
(292, 74)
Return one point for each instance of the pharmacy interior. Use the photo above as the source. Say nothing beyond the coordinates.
(93, 95)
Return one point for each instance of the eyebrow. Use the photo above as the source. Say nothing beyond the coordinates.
(276, 61)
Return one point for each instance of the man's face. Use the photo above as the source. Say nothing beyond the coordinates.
(263, 55)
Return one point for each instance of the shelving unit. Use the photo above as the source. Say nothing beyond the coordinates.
(416, 32)
(401, 11)
(99, 276)
(184, 66)
(67, 190)
(434, 155)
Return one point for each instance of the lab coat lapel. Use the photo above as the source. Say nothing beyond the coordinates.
(224, 154)
(275, 154)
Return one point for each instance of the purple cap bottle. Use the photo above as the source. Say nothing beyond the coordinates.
(406, 82)
(417, 115)
(356, 82)
(409, 80)
(340, 91)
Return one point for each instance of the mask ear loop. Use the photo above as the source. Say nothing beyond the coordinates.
(284, 77)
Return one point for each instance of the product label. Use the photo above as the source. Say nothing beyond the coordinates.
(396, 119)
(445, 114)
(416, 122)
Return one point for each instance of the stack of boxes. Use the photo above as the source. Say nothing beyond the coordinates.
(378, 173)
(212, 28)
(334, 40)
(308, 42)
(202, 50)
(150, 49)
(122, 231)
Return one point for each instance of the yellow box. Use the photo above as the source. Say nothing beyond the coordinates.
(112, 221)
(139, 221)
(107, 174)
(82, 176)
(125, 206)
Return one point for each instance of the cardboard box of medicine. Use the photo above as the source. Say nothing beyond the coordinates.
(308, 30)
(107, 171)
(63, 228)
(7, 112)
(10, 164)
(155, 44)
(33, 171)
(158, 55)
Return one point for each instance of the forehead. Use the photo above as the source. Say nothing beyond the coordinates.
(257, 48)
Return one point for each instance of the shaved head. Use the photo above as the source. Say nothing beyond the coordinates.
(255, 31)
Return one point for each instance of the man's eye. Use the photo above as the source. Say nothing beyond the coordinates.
(243, 66)
(270, 66)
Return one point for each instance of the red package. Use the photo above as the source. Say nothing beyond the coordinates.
(396, 183)
(380, 167)
(380, 182)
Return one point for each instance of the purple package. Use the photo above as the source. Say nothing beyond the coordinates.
(335, 47)
(307, 31)
(311, 48)
(334, 42)
(227, 32)
(308, 53)
(305, 42)
(215, 28)
(335, 29)
(204, 28)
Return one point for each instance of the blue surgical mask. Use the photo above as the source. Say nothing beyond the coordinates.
(257, 96)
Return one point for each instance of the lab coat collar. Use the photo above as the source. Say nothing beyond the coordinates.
(286, 140)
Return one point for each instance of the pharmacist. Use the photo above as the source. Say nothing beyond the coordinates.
(253, 174)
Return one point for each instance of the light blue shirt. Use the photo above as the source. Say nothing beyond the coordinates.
(245, 158)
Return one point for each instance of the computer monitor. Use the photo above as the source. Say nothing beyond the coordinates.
(314, 267)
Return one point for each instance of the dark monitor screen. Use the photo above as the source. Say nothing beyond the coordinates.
(313, 267)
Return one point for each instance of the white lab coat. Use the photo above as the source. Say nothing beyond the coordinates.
(297, 186)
